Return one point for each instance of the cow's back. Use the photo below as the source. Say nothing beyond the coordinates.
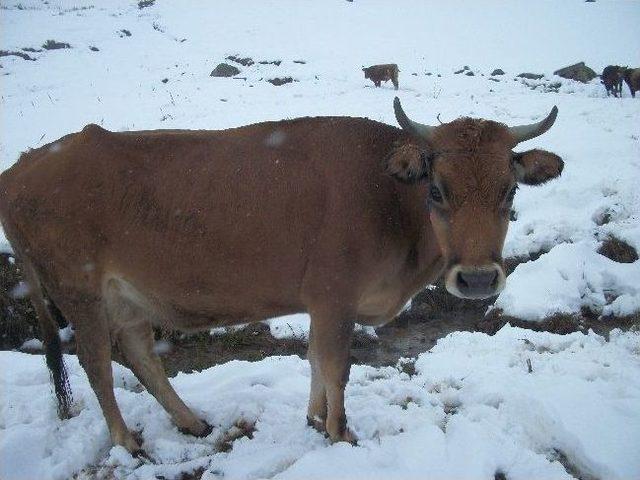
(197, 217)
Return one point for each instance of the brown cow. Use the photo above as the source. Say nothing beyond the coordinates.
(611, 78)
(382, 73)
(632, 79)
(343, 218)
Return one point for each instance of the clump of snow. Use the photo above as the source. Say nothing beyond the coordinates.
(568, 277)
(21, 290)
(66, 333)
(290, 326)
(473, 407)
(162, 347)
(297, 326)
(32, 344)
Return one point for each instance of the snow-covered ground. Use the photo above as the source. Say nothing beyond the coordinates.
(472, 409)
(527, 404)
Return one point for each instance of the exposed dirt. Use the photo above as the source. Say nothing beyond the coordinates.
(55, 45)
(278, 81)
(434, 314)
(618, 250)
(17, 318)
(24, 56)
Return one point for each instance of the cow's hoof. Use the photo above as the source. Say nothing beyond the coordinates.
(131, 441)
(317, 423)
(202, 430)
(345, 436)
(141, 454)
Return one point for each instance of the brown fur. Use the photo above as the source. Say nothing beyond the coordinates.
(632, 79)
(196, 229)
(382, 73)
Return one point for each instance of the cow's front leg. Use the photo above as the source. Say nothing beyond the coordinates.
(329, 352)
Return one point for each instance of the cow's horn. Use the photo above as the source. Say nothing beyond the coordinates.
(414, 128)
(520, 133)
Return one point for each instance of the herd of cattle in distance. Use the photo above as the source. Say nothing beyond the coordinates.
(612, 77)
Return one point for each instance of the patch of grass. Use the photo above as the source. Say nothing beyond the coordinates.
(407, 366)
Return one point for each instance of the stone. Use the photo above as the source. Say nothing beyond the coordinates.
(224, 70)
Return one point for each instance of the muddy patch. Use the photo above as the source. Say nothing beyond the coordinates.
(18, 321)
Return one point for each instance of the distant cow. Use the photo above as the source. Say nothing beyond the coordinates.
(611, 78)
(343, 218)
(632, 78)
(382, 73)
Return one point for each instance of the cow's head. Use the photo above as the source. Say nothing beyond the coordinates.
(471, 175)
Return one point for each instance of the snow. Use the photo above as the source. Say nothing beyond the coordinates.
(297, 326)
(32, 344)
(471, 409)
(574, 275)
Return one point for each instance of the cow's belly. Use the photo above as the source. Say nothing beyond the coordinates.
(127, 300)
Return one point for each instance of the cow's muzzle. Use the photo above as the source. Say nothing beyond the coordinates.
(475, 282)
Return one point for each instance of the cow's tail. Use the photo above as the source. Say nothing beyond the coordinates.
(50, 318)
(50, 321)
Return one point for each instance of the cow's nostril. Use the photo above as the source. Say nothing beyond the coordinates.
(461, 281)
(494, 282)
(480, 280)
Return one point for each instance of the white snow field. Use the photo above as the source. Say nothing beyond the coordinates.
(473, 409)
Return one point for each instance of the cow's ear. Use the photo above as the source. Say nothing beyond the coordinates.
(407, 163)
(535, 167)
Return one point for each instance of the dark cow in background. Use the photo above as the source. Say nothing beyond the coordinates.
(632, 78)
(382, 73)
(345, 218)
(611, 78)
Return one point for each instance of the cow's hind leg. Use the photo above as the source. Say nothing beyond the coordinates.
(134, 337)
(94, 352)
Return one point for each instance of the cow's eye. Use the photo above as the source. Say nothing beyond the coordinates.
(511, 195)
(435, 194)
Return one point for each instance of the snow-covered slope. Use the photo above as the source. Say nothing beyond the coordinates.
(527, 404)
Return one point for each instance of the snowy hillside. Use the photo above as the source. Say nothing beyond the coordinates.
(472, 409)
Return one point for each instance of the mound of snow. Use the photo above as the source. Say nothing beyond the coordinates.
(568, 277)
